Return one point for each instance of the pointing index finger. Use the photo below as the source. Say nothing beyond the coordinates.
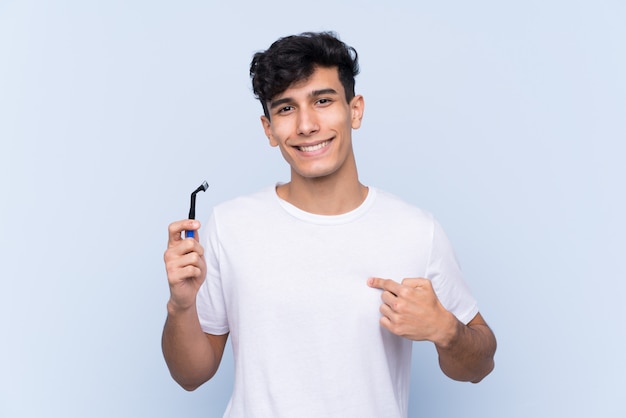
(384, 284)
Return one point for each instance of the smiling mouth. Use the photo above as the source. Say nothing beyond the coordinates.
(312, 148)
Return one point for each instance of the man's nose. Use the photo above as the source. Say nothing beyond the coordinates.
(307, 122)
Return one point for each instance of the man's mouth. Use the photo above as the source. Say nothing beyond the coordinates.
(311, 148)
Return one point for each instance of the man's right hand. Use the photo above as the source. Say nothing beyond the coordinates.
(185, 264)
(192, 356)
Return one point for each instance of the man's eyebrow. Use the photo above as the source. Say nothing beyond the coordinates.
(275, 103)
(314, 93)
(322, 92)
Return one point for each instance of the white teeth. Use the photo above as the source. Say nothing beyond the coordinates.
(314, 147)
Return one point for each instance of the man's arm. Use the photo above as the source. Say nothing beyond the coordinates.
(468, 354)
(412, 310)
(192, 356)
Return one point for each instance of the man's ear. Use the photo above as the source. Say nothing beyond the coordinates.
(267, 128)
(357, 107)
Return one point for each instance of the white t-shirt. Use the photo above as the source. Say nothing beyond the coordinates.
(291, 288)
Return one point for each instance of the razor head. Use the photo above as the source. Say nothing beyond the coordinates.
(202, 187)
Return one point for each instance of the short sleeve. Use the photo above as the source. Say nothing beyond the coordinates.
(448, 282)
(210, 301)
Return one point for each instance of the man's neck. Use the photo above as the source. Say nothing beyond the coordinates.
(323, 196)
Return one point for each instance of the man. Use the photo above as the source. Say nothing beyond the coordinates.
(322, 283)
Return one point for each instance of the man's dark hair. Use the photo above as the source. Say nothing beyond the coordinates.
(294, 58)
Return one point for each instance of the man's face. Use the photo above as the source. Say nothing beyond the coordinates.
(312, 123)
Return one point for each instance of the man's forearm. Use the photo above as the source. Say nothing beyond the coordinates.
(468, 356)
(190, 356)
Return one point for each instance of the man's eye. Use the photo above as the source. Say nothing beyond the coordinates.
(285, 109)
(324, 101)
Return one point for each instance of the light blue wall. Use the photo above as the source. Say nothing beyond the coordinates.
(505, 119)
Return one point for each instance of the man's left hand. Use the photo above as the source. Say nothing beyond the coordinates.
(412, 310)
